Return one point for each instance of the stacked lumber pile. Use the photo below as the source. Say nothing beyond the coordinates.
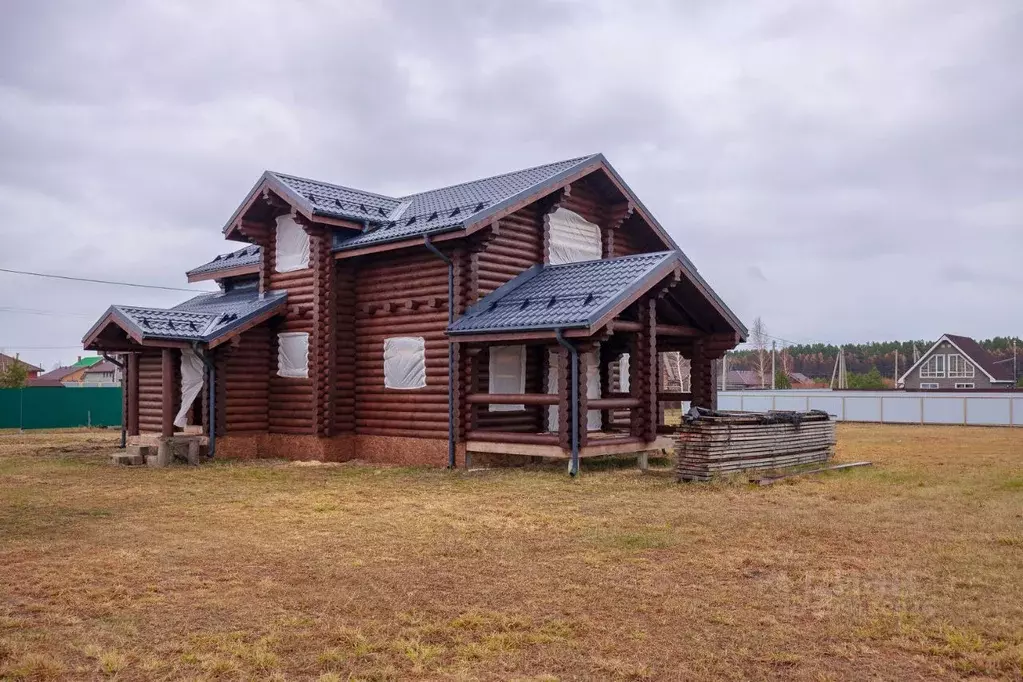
(711, 444)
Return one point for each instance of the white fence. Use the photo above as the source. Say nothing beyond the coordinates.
(887, 407)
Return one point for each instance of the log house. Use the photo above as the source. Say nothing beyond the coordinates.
(517, 315)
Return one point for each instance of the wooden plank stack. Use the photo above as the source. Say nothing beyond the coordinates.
(712, 444)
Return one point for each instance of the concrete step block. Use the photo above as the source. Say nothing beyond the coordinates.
(141, 450)
(128, 459)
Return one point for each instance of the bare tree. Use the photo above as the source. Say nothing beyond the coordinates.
(758, 338)
(676, 372)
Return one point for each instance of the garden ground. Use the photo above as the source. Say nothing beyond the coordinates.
(910, 569)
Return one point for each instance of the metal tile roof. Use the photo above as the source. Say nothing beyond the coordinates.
(247, 255)
(203, 318)
(339, 201)
(450, 207)
(564, 296)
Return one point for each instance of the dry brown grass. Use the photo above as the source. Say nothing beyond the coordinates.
(911, 569)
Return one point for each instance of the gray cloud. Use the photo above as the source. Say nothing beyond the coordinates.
(867, 154)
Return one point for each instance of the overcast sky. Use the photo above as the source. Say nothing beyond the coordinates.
(848, 171)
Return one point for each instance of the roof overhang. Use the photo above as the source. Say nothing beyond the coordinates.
(267, 183)
(137, 336)
(239, 271)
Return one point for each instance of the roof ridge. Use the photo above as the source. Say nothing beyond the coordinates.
(501, 175)
(336, 186)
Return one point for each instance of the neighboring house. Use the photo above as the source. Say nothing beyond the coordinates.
(337, 324)
(745, 379)
(103, 373)
(55, 377)
(31, 370)
(957, 362)
(799, 378)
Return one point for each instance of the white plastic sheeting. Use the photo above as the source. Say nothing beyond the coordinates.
(405, 362)
(293, 355)
(572, 238)
(507, 374)
(292, 245)
(191, 383)
(593, 421)
(624, 377)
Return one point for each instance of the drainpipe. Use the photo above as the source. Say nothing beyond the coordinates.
(212, 368)
(451, 348)
(573, 464)
(124, 417)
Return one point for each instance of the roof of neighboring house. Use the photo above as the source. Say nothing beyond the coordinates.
(980, 357)
(88, 361)
(104, 367)
(974, 352)
(4, 359)
(800, 378)
(574, 295)
(53, 377)
(204, 318)
(242, 258)
(746, 377)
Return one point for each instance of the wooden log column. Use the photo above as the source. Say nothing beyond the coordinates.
(643, 372)
(702, 376)
(604, 360)
(564, 398)
(132, 415)
(585, 359)
(648, 319)
(167, 386)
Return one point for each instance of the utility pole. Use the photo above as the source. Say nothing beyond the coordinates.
(896, 368)
(839, 372)
(1015, 372)
(774, 372)
(724, 372)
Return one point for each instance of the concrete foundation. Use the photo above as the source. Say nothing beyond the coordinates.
(189, 449)
(376, 449)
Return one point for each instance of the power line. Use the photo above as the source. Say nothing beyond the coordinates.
(95, 281)
(8, 347)
(32, 311)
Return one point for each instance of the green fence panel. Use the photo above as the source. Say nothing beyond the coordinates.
(55, 407)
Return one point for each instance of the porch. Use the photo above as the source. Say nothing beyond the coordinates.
(567, 362)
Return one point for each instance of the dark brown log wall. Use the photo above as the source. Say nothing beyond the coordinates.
(290, 400)
(634, 236)
(245, 376)
(517, 246)
(344, 350)
(401, 294)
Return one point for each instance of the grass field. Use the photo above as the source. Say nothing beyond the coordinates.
(912, 569)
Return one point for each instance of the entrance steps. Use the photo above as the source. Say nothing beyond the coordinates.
(185, 449)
